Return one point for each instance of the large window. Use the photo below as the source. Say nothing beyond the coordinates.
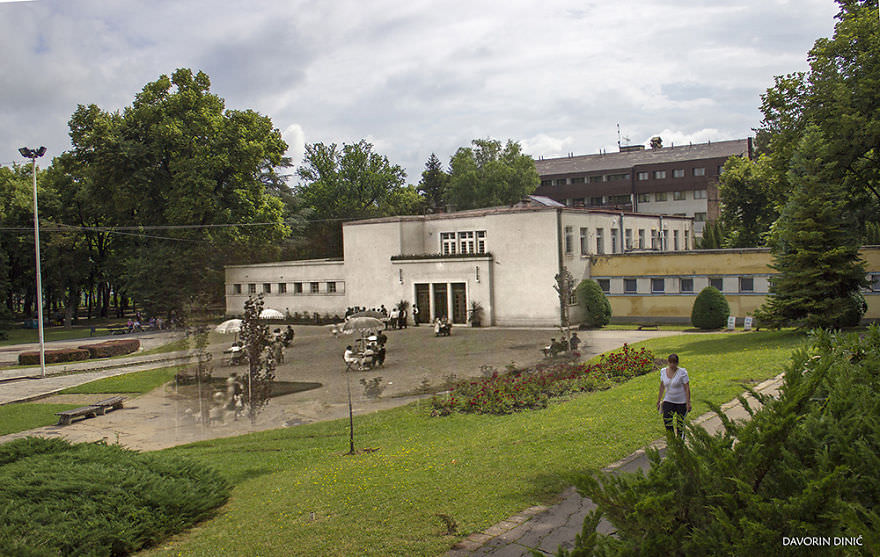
(314, 287)
(569, 240)
(658, 285)
(585, 238)
(629, 285)
(600, 241)
(746, 284)
(252, 288)
(297, 288)
(331, 287)
(686, 285)
(466, 242)
(236, 289)
(267, 288)
(481, 241)
(282, 288)
(447, 243)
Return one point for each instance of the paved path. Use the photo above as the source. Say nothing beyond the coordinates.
(545, 528)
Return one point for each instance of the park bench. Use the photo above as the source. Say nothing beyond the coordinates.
(97, 409)
(654, 326)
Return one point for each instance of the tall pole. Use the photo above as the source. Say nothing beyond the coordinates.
(33, 154)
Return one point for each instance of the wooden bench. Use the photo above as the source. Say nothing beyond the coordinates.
(654, 326)
(97, 409)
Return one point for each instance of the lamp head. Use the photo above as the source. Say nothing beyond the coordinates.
(41, 151)
(32, 153)
(25, 152)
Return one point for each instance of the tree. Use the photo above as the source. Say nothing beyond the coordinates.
(713, 236)
(351, 182)
(748, 210)
(710, 309)
(488, 175)
(261, 361)
(595, 305)
(815, 247)
(433, 183)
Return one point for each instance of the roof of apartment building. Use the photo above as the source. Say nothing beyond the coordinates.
(635, 156)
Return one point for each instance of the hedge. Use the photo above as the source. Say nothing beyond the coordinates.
(53, 356)
(112, 348)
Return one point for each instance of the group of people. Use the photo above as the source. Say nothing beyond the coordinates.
(138, 325)
(442, 327)
(396, 318)
(372, 354)
(557, 347)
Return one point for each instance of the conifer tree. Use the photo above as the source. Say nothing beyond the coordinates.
(815, 246)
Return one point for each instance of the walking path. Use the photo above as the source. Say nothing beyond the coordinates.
(545, 528)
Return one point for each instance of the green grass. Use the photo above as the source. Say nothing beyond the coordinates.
(139, 382)
(22, 336)
(27, 415)
(477, 469)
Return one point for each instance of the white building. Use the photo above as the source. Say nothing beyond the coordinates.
(504, 259)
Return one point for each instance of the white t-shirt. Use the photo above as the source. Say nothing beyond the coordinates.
(675, 391)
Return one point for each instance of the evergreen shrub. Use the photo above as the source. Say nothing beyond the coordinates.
(112, 348)
(53, 356)
(597, 309)
(710, 309)
(97, 499)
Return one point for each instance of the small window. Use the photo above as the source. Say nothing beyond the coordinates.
(660, 196)
(678, 195)
(616, 177)
(658, 285)
(331, 287)
(699, 171)
(644, 198)
(874, 281)
(614, 240)
(720, 169)
(675, 239)
(600, 241)
(569, 240)
(314, 287)
(699, 217)
(659, 174)
(686, 285)
(282, 288)
(746, 284)
(700, 194)
(560, 182)
(577, 180)
(481, 241)
(678, 173)
(717, 283)
(629, 285)
(642, 176)
(596, 179)
(628, 239)
(252, 288)
(585, 239)
(267, 288)
(297, 288)
(641, 238)
(546, 182)
(605, 285)
(236, 289)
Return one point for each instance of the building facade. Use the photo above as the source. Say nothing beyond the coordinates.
(676, 180)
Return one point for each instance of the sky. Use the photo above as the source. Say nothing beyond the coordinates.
(415, 77)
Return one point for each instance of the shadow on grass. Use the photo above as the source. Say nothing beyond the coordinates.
(734, 343)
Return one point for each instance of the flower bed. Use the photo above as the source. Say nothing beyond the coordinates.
(112, 348)
(533, 388)
(53, 356)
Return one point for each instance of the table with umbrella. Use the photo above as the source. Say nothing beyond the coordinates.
(362, 323)
(234, 355)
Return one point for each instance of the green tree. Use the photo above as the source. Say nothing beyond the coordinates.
(488, 175)
(433, 183)
(351, 182)
(815, 247)
(710, 310)
(748, 210)
(713, 236)
(261, 361)
(595, 305)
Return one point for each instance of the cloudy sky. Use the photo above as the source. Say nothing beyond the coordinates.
(415, 77)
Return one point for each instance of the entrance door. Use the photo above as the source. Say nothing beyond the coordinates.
(459, 303)
(423, 300)
(440, 301)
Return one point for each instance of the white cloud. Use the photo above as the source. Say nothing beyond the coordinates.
(295, 138)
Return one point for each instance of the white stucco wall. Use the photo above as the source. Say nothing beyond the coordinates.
(289, 273)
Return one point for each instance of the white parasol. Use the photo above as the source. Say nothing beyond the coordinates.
(229, 326)
(270, 313)
(362, 324)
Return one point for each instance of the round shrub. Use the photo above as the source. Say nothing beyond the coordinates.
(854, 307)
(710, 309)
(597, 309)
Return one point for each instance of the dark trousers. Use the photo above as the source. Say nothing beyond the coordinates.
(673, 417)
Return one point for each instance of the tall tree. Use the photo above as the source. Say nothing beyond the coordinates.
(748, 210)
(815, 246)
(337, 184)
(433, 183)
(488, 174)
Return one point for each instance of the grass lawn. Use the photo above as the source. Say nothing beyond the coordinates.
(22, 336)
(23, 416)
(476, 469)
(139, 382)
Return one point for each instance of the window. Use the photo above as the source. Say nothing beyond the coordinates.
(644, 198)
(874, 283)
(678, 173)
(569, 240)
(577, 180)
(720, 169)
(641, 238)
(686, 285)
(619, 199)
(466, 242)
(654, 238)
(236, 289)
(699, 217)
(560, 182)
(658, 285)
(481, 241)
(699, 172)
(572, 298)
(605, 285)
(746, 284)
(665, 236)
(546, 182)
(675, 234)
(331, 287)
(660, 196)
(297, 288)
(687, 244)
(252, 288)
(614, 240)
(596, 179)
(678, 195)
(282, 288)
(659, 174)
(716, 282)
(600, 241)
(313, 287)
(628, 238)
(642, 176)
(447, 241)
(699, 194)
(585, 246)
(596, 201)
(616, 177)
(629, 285)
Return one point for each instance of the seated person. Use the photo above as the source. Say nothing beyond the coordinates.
(349, 357)
(380, 355)
(574, 342)
(437, 327)
(368, 359)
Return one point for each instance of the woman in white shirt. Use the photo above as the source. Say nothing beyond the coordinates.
(676, 403)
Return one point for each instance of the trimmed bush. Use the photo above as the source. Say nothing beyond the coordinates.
(710, 309)
(96, 499)
(597, 309)
(53, 356)
(112, 348)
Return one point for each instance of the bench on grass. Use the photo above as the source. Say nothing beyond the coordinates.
(97, 409)
(654, 326)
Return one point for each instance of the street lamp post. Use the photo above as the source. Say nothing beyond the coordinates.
(33, 154)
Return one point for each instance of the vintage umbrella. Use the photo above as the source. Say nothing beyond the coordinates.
(229, 326)
(367, 313)
(362, 324)
(270, 313)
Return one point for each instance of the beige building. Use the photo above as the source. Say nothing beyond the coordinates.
(503, 259)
